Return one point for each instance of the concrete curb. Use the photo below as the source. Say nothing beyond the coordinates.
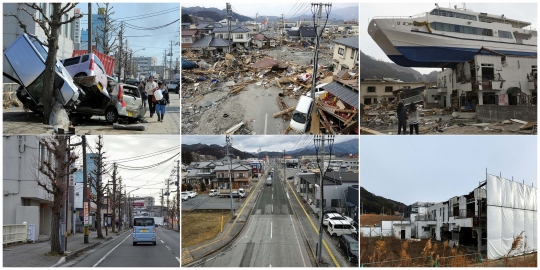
(75, 254)
(224, 244)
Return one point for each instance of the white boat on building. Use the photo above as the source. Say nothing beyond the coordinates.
(444, 37)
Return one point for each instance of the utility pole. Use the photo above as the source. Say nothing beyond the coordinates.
(228, 142)
(284, 166)
(168, 209)
(282, 30)
(86, 207)
(229, 18)
(170, 61)
(107, 216)
(121, 68)
(321, 206)
(89, 47)
(316, 54)
(114, 199)
(161, 202)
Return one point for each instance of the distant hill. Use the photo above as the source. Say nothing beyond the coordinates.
(347, 13)
(370, 67)
(215, 150)
(341, 149)
(214, 13)
(374, 204)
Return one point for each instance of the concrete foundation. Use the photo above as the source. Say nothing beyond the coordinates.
(496, 113)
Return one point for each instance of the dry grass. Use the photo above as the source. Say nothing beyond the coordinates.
(372, 219)
(199, 227)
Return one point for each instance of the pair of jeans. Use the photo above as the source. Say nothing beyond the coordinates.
(415, 126)
(402, 124)
(152, 105)
(160, 109)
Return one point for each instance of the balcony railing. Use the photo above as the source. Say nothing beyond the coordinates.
(426, 218)
(466, 213)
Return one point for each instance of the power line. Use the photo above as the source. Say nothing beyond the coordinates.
(134, 27)
(148, 166)
(145, 155)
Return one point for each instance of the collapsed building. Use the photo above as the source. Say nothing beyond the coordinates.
(487, 219)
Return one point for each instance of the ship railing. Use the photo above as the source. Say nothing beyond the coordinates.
(423, 14)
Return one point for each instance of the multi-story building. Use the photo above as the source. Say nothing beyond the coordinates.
(144, 63)
(375, 90)
(98, 22)
(241, 176)
(11, 29)
(346, 53)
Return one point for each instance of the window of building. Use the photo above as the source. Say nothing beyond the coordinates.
(239, 36)
(341, 51)
(241, 175)
(66, 25)
(336, 203)
(186, 40)
(51, 10)
(371, 89)
(426, 229)
(43, 6)
(388, 88)
(367, 101)
(488, 72)
(534, 71)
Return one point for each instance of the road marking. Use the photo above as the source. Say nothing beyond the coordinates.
(110, 252)
(168, 247)
(272, 195)
(162, 241)
(271, 229)
(272, 208)
(178, 258)
(290, 216)
(265, 122)
(315, 228)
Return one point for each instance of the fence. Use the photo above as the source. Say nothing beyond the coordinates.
(15, 233)
(430, 261)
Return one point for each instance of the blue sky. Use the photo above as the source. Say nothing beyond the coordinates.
(155, 41)
(435, 168)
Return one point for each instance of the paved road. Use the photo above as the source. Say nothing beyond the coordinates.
(121, 253)
(17, 121)
(270, 239)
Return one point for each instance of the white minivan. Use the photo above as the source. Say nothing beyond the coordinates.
(302, 114)
(340, 227)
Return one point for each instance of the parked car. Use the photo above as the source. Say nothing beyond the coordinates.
(174, 86)
(133, 82)
(340, 227)
(328, 210)
(27, 58)
(144, 230)
(350, 247)
(184, 196)
(214, 192)
(301, 116)
(87, 65)
(123, 101)
(192, 194)
(332, 216)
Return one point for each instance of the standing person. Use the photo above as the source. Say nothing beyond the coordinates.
(143, 93)
(413, 119)
(150, 87)
(402, 118)
(160, 104)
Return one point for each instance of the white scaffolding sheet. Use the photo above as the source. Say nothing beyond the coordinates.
(511, 210)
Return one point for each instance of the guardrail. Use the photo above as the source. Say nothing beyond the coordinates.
(14, 233)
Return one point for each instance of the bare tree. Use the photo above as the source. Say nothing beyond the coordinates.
(56, 170)
(105, 31)
(114, 196)
(51, 27)
(96, 182)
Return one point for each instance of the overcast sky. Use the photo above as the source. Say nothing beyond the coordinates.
(153, 41)
(435, 168)
(150, 181)
(522, 11)
(265, 143)
(268, 8)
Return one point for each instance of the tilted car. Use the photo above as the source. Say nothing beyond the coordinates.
(87, 65)
(27, 58)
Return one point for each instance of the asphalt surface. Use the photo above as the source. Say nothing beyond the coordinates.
(271, 238)
(17, 121)
(120, 252)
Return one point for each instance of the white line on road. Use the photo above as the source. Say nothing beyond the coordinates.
(272, 208)
(271, 229)
(265, 122)
(178, 258)
(290, 216)
(110, 252)
(168, 247)
(272, 196)
(162, 241)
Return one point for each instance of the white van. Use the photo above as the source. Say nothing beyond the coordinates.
(302, 114)
(340, 227)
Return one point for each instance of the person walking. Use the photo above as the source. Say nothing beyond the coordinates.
(413, 119)
(143, 93)
(150, 87)
(402, 118)
(160, 104)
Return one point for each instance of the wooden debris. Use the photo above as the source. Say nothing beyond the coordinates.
(284, 111)
(529, 125)
(369, 131)
(286, 131)
(234, 128)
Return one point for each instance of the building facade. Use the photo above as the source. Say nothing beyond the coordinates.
(346, 54)
(375, 90)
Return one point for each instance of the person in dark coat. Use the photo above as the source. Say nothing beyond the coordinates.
(402, 118)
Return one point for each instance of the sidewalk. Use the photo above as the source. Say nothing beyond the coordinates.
(229, 233)
(35, 255)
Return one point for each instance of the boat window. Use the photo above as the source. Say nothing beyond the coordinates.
(487, 32)
(446, 13)
(505, 34)
(446, 27)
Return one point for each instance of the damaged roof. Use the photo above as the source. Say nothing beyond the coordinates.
(219, 42)
(294, 33)
(189, 32)
(344, 93)
(351, 42)
(307, 32)
(203, 42)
